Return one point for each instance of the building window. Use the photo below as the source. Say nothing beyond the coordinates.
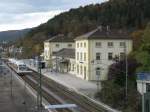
(122, 44)
(72, 67)
(110, 44)
(122, 55)
(81, 70)
(80, 56)
(77, 69)
(77, 55)
(110, 56)
(98, 44)
(98, 71)
(81, 44)
(84, 56)
(69, 45)
(84, 72)
(84, 45)
(98, 56)
(57, 45)
(77, 45)
(147, 87)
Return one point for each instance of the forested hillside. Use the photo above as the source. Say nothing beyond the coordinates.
(129, 14)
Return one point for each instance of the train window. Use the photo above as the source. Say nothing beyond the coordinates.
(22, 67)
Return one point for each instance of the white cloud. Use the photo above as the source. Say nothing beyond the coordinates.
(20, 14)
(22, 21)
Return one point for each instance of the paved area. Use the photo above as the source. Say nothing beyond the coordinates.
(81, 86)
(86, 87)
(20, 100)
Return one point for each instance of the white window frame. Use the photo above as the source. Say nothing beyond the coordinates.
(98, 44)
(85, 56)
(110, 44)
(98, 71)
(69, 45)
(109, 56)
(122, 44)
(84, 44)
(98, 56)
(57, 45)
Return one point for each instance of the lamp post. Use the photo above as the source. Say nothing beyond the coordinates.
(126, 71)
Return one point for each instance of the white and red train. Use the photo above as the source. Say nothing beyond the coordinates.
(19, 66)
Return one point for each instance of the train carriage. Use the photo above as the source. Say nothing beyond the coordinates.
(19, 66)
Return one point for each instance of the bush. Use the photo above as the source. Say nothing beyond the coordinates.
(114, 95)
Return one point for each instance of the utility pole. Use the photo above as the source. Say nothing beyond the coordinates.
(39, 88)
(143, 105)
(126, 71)
(11, 82)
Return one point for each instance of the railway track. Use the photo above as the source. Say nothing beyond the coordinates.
(56, 93)
(84, 104)
(45, 91)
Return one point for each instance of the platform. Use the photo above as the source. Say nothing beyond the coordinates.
(20, 101)
(68, 80)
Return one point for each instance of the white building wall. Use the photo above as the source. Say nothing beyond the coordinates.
(91, 64)
(141, 86)
(104, 63)
(72, 66)
(50, 47)
(83, 61)
(54, 48)
(46, 50)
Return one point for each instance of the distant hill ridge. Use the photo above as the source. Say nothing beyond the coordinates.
(12, 35)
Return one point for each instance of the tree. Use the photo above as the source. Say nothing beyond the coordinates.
(113, 90)
(143, 53)
(137, 39)
(117, 72)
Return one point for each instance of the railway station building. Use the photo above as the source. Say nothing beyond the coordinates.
(88, 56)
(55, 44)
(64, 61)
(96, 50)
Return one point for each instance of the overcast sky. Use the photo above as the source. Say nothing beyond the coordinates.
(20, 14)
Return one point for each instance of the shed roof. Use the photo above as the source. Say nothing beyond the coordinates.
(60, 38)
(66, 53)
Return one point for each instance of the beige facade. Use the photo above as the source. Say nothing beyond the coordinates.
(52, 47)
(95, 56)
(93, 53)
